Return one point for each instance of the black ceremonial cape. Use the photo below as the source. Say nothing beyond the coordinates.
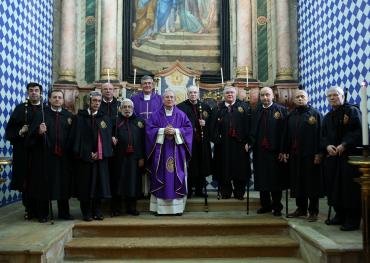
(200, 162)
(230, 131)
(342, 125)
(267, 131)
(302, 142)
(126, 179)
(51, 173)
(89, 134)
(22, 114)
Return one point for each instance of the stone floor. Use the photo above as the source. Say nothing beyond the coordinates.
(16, 234)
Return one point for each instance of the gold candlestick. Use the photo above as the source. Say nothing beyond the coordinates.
(4, 161)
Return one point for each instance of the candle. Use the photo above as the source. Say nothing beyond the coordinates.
(365, 125)
(134, 76)
(246, 69)
(108, 76)
(222, 77)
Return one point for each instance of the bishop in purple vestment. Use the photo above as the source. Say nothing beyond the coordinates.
(147, 101)
(169, 137)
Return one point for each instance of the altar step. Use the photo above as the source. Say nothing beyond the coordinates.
(181, 238)
(197, 260)
(214, 205)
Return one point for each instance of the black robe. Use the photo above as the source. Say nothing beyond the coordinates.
(342, 125)
(230, 131)
(302, 142)
(110, 109)
(126, 177)
(22, 115)
(267, 132)
(51, 171)
(91, 177)
(200, 163)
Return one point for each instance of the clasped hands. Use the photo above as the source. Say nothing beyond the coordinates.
(335, 150)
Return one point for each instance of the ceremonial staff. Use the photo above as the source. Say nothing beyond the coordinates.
(44, 162)
(202, 142)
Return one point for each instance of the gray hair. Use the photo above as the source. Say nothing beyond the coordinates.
(146, 77)
(169, 90)
(336, 89)
(192, 87)
(227, 88)
(95, 93)
(127, 100)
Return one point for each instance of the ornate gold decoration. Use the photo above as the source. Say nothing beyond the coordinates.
(176, 78)
(241, 72)
(140, 124)
(240, 109)
(90, 20)
(4, 161)
(277, 115)
(170, 165)
(205, 114)
(345, 119)
(285, 74)
(112, 73)
(67, 74)
(69, 120)
(312, 120)
(103, 124)
(262, 20)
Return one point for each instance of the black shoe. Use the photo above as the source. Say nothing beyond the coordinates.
(87, 218)
(133, 212)
(263, 210)
(312, 218)
(178, 214)
(98, 217)
(28, 216)
(66, 217)
(225, 196)
(349, 227)
(334, 221)
(277, 213)
(43, 220)
(296, 213)
(239, 197)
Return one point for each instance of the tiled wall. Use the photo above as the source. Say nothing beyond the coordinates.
(334, 47)
(26, 28)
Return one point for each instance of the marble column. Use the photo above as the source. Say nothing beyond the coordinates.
(284, 69)
(67, 69)
(244, 39)
(109, 40)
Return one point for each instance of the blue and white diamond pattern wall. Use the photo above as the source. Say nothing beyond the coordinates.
(26, 30)
(334, 47)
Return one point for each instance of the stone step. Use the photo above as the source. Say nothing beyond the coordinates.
(166, 226)
(200, 260)
(230, 246)
(214, 205)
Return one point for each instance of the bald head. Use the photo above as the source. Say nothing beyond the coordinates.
(266, 96)
(300, 98)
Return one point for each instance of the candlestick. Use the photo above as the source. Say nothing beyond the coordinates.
(134, 76)
(222, 77)
(365, 125)
(246, 69)
(108, 76)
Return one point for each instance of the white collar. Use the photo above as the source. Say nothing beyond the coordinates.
(266, 107)
(229, 104)
(55, 110)
(107, 101)
(147, 97)
(93, 114)
(168, 112)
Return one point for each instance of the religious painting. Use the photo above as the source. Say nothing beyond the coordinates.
(165, 31)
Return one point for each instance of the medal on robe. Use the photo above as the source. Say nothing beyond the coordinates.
(205, 114)
(69, 120)
(240, 109)
(170, 165)
(277, 115)
(312, 120)
(345, 119)
(140, 124)
(103, 125)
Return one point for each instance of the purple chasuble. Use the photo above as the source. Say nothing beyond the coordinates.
(144, 108)
(167, 161)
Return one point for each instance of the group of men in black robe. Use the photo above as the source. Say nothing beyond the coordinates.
(104, 147)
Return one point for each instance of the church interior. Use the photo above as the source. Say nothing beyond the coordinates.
(78, 45)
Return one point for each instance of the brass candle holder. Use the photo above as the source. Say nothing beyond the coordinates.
(363, 162)
(4, 161)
